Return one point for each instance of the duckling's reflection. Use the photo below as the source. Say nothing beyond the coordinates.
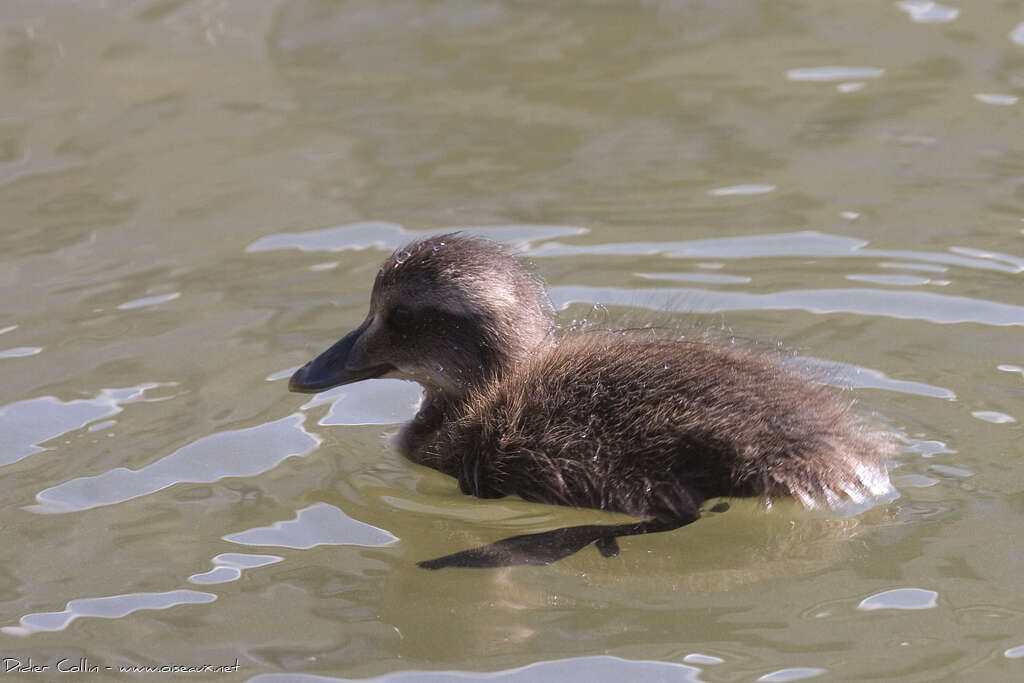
(586, 598)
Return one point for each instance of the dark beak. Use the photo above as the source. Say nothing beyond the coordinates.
(331, 368)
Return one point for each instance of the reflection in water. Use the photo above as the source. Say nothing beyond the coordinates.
(707, 278)
(919, 481)
(855, 377)
(148, 301)
(895, 280)
(834, 73)
(900, 598)
(388, 236)
(381, 402)
(949, 471)
(229, 567)
(282, 374)
(996, 98)
(600, 669)
(928, 448)
(807, 243)
(235, 453)
(927, 267)
(794, 674)
(111, 607)
(928, 12)
(741, 189)
(993, 416)
(1006, 367)
(936, 308)
(507, 610)
(319, 524)
(26, 424)
(21, 351)
(1017, 34)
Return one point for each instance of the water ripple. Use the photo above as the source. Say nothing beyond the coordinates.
(914, 481)
(234, 453)
(741, 189)
(927, 12)
(21, 351)
(148, 301)
(913, 266)
(389, 236)
(229, 567)
(1006, 367)
(893, 280)
(950, 471)
(1017, 34)
(110, 607)
(25, 424)
(319, 524)
(928, 448)
(856, 377)
(834, 73)
(936, 308)
(594, 669)
(900, 598)
(993, 416)
(383, 402)
(1001, 99)
(791, 244)
(794, 674)
(705, 278)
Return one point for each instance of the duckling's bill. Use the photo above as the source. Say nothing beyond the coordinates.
(338, 365)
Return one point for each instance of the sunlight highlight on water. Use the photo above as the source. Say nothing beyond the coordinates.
(28, 423)
(936, 308)
(20, 351)
(389, 236)
(834, 73)
(900, 598)
(228, 567)
(599, 669)
(110, 607)
(927, 12)
(794, 674)
(233, 453)
(319, 524)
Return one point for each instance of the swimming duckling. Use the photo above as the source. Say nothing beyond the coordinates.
(614, 420)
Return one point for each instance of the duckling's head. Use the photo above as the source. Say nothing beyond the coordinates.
(448, 312)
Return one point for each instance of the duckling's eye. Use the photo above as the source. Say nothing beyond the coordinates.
(401, 318)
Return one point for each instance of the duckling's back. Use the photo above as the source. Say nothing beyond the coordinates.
(654, 427)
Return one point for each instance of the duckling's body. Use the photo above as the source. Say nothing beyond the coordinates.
(621, 421)
(654, 427)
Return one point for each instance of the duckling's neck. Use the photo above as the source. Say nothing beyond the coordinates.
(442, 405)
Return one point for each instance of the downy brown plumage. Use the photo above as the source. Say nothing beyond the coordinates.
(615, 420)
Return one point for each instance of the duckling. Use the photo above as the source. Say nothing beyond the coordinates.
(626, 421)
